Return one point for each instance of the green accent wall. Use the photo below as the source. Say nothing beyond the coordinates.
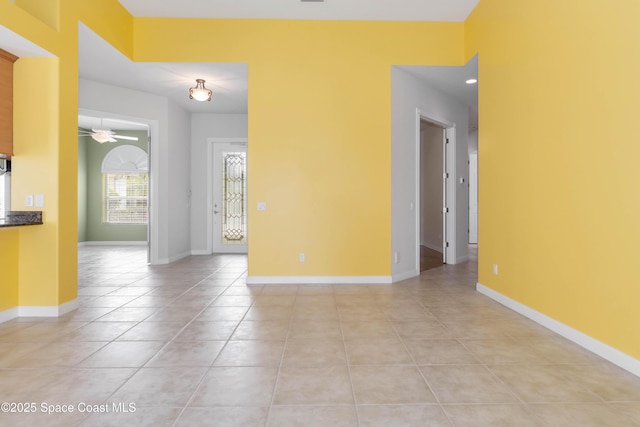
(96, 231)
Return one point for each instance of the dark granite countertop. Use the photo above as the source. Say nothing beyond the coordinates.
(20, 218)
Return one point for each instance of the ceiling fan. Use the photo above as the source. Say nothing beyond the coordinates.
(103, 135)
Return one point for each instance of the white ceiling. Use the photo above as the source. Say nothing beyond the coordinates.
(18, 45)
(89, 122)
(374, 10)
(101, 62)
(451, 80)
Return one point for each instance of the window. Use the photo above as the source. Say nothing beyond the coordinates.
(125, 198)
(125, 186)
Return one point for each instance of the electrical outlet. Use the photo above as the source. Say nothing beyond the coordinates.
(495, 269)
(396, 257)
(301, 257)
(28, 200)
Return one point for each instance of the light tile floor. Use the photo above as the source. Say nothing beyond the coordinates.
(189, 344)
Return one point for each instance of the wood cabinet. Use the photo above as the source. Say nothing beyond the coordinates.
(6, 103)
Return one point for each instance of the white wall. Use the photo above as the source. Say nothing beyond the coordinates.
(205, 126)
(408, 94)
(473, 141)
(169, 157)
(180, 182)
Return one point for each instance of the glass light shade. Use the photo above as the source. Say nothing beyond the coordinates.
(199, 92)
(101, 136)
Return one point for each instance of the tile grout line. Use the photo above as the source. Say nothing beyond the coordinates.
(346, 356)
(284, 351)
(415, 364)
(208, 370)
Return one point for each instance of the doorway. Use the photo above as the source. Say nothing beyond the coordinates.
(144, 131)
(433, 195)
(229, 205)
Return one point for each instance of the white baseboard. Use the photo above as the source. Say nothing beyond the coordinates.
(9, 314)
(404, 276)
(437, 247)
(603, 350)
(461, 259)
(68, 307)
(317, 280)
(179, 257)
(47, 311)
(39, 311)
(200, 252)
(114, 243)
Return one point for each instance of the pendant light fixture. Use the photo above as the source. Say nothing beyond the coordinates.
(199, 92)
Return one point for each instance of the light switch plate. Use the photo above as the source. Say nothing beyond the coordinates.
(40, 200)
(262, 206)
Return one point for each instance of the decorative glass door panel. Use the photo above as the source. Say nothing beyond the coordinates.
(234, 200)
(230, 197)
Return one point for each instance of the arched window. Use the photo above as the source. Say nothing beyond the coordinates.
(125, 185)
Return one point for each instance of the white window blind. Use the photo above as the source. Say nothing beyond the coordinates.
(125, 198)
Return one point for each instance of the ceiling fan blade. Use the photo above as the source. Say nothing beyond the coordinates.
(130, 138)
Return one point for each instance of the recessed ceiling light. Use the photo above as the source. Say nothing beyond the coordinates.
(471, 81)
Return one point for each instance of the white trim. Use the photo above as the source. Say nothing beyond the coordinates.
(179, 257)
(199, 252)
(404, 276)
(603, 350)
(162, 261)
(9, 314)
(432, 247)
(210, 142)
(68, 307)
(115, 243)
(463, 258)
(449, 154)
(318, 280)
(47, 310)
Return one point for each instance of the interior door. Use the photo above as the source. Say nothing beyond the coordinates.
(230, 197)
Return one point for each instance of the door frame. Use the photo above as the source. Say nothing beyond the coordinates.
(210, 142)
(153, 228)
(449, 161)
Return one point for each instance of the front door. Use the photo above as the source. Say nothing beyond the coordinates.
(230, 197)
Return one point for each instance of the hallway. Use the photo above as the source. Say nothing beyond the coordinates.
(190, 344)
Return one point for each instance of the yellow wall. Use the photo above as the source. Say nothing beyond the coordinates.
(35, 169)
(320, 126)
(9, 267)
(558, 153)
(319, 129)
(43, 261)
(558, 99)
(45, 11)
